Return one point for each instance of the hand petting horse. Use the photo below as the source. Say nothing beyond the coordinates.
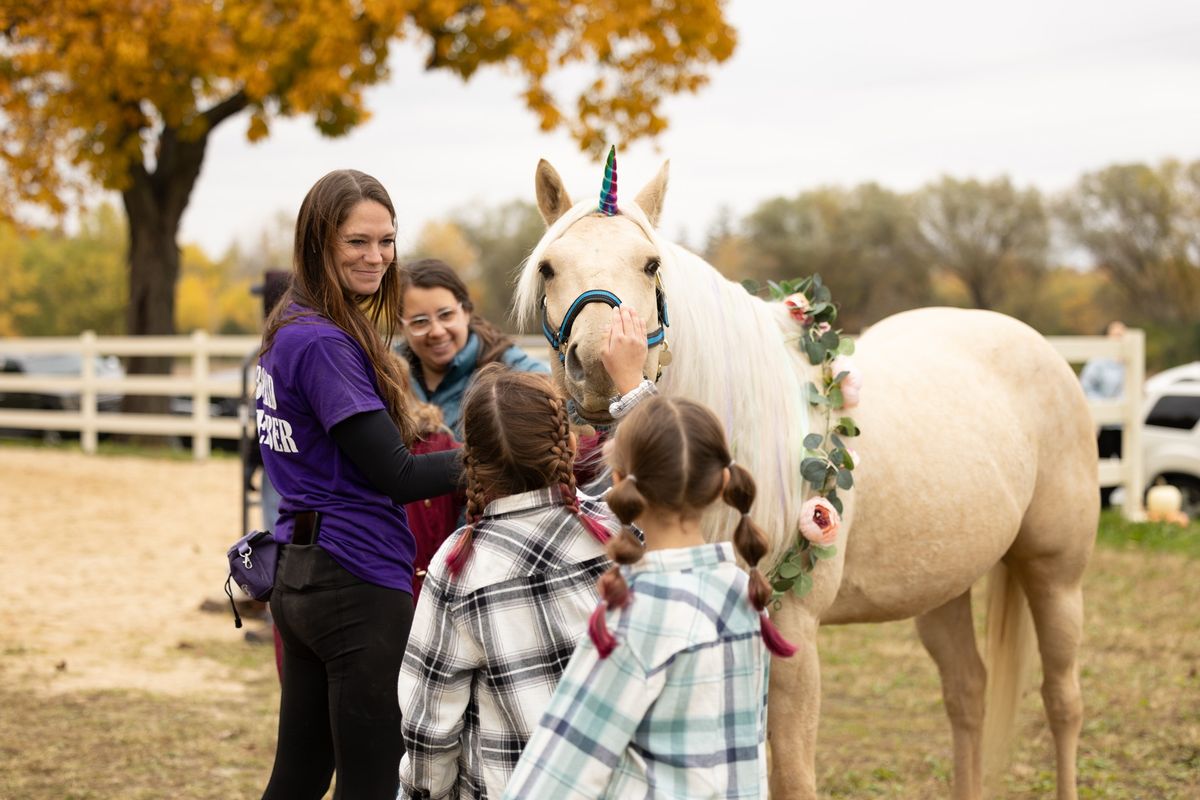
(977, 456)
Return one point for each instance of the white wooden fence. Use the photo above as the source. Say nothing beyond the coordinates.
(1127, 412)
(200, 349)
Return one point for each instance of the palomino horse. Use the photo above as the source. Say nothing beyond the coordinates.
(977, 455)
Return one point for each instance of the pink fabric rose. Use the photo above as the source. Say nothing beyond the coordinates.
(797, 306)
(819, 521)
(851, 385)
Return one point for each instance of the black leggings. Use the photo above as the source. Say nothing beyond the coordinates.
(343, 641)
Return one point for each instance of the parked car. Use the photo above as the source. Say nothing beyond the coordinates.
(1171, 432)
(1175, 376)
(227, 407)
(57, 365)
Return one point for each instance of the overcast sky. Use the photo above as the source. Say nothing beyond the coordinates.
(831, 93)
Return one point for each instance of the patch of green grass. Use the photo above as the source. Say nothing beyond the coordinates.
(884, 732)
(240, 656)
(135, 745)
(1116, 531)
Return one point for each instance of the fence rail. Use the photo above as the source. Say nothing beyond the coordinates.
(1127, 412)
(198, 384)
(200, 349)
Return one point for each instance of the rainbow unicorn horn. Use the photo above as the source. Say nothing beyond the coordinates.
(608, 189)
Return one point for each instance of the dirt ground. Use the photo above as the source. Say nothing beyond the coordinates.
(106, 561)
(114, 684)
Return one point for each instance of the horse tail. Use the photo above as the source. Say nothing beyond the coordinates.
(1009, 656)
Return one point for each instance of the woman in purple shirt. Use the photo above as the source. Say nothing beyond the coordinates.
(334, 428)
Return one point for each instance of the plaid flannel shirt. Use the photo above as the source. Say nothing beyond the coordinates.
(678, 710)
(487, 647)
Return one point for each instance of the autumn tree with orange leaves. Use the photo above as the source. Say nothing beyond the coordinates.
(125, 94)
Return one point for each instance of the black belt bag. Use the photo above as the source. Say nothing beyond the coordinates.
(304, 565)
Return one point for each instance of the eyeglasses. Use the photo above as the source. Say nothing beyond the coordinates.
(422, 325)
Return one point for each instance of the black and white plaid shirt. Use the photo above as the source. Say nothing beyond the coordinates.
(488, 647)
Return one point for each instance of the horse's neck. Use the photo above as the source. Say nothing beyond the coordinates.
(731, 353)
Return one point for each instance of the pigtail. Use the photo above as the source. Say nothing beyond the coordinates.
(458, 556)
(751, 545)
(627, 503)
(598, 630)
(564, 472)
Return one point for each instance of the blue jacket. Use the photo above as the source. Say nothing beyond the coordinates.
(449, 393)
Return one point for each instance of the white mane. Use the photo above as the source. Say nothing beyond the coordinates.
(731, 352)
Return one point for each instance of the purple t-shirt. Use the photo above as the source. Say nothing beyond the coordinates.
(314, 376)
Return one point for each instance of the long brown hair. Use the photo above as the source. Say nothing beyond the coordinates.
(372, 320)
(433, 273)
(516, 438)
(673, 456)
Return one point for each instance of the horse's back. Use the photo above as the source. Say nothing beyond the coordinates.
(955, 330)
(963, 413)
(961, 352)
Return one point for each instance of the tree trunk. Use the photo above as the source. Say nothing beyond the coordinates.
(154, 203)
(153, 272)
(153, 267)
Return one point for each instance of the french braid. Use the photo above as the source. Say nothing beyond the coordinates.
(512, 445)
(564, 472)
(458, 556)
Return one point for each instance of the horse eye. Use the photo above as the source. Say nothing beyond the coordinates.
(546, 270)
(651, 268)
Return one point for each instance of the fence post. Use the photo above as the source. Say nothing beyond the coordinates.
(1133, 355)
(88, 435)
(201, 444)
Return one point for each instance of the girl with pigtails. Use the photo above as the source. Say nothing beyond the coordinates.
(507, 597)
(666, 697)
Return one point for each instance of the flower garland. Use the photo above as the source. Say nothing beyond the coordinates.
(828, 463)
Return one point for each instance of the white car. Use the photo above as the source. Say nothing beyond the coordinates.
(1171, 432)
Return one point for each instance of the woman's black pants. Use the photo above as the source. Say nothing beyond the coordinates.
(343, 641)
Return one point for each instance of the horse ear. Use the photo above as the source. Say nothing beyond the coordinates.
(552, 198)
(650, 198)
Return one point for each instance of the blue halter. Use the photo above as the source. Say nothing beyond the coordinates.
(558, 339)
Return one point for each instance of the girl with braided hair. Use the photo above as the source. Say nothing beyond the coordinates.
(667, 695)
(507, 597)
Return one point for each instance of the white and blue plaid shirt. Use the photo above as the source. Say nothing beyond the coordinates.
(488, 646)
(678, 710)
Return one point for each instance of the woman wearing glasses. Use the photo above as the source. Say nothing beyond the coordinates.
(446, 341)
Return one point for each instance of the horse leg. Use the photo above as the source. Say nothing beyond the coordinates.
(794, 708)
(1056, 601)
(948, 633)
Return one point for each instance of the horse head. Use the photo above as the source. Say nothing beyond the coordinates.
(728, 349)
(591, 258)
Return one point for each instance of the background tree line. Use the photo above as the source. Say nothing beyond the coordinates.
(1122, 243)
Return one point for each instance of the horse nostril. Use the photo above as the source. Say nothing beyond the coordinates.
(575, 369)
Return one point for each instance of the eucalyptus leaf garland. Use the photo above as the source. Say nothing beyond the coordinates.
(828, 463)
